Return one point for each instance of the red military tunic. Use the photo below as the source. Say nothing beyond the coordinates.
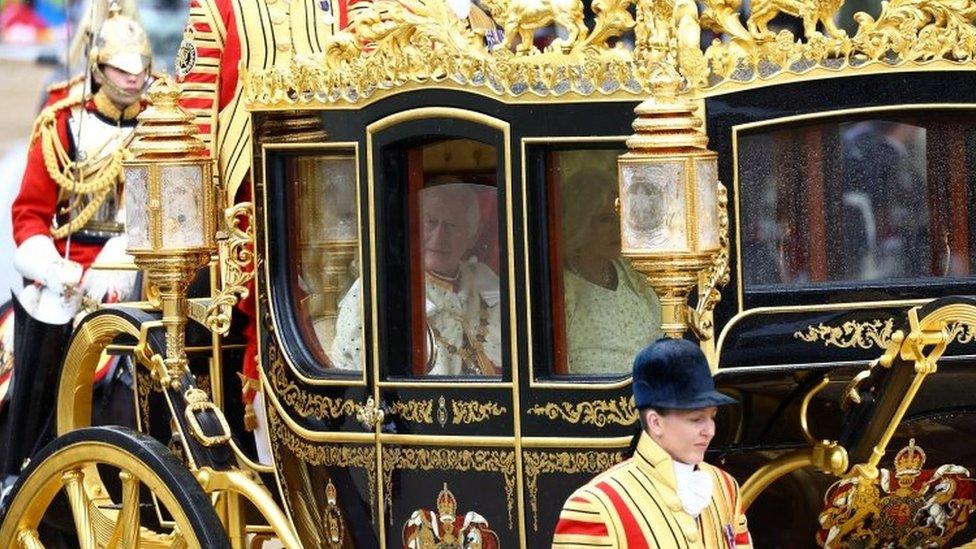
(34, 209)
(635, 505)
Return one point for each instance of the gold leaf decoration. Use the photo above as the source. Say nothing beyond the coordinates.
(872, 333)
(333, 455)
(599, 413)
(417, 411)
(961, 332)
(393, 44)
(454, 459)
(852, 333)
(472, 411)
(304, 403)
(237, 258)
(612, 20)
(145, 385)
(535, 463)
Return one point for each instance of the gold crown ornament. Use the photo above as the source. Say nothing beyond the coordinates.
(909, 460)
(446, 505)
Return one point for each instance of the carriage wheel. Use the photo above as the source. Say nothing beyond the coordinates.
(111, 515)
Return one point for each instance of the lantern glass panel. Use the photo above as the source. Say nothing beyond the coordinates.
(136, 200)
(183, 206)
(706, 174)
(653, 206)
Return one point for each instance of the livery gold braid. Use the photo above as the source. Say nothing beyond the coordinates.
(567, 463)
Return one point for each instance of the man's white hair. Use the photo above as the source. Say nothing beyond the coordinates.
(456, 192)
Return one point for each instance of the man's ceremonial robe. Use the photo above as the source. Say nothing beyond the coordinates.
(635, 505)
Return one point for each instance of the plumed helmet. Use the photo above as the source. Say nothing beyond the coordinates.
(121, 43)
(674, 374)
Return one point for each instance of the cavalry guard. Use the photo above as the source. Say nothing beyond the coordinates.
(67, 216)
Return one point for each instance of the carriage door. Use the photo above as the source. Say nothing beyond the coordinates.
(312, 334)
(442, 347)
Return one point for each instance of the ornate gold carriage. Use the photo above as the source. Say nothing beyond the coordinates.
(820, 277)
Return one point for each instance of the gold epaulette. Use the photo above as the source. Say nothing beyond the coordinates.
(45, 121)
(66, 84)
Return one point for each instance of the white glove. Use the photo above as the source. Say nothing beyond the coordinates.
(37, 259)
(97, 283)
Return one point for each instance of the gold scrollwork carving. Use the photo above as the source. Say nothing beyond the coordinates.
(334, 455)
(303, 402)
(599, 413)
(717, 275)
(961, 332)
(433, 459)
(852, 333)
(237, 258)
(417, 411)
(472, 411)
(394, 43)
(145, 385)
(872, 333)
(535, 463)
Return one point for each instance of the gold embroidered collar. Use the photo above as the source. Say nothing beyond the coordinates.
(110, 110)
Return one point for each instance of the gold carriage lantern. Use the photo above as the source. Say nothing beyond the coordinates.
(170, 212)
(670, 205)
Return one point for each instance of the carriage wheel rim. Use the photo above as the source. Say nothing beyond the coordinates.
(35, 495)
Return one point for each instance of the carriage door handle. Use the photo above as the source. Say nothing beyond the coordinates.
(369, 414)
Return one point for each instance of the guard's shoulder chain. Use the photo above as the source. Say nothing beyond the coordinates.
(74, 177)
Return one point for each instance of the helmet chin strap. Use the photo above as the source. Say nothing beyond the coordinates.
(121, 97)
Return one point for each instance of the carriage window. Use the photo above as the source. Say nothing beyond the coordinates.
(324, 205)
(858, 201)
(455, 264)
(603, 311)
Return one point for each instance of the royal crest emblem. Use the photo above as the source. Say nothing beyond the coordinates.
(444, 529)
(907, 507)
(186, 55)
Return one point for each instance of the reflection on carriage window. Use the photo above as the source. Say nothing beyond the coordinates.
(454, 249)
(324, 208)
(607, 312)
(857, 201)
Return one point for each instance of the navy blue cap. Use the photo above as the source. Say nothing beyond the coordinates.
(674, 374)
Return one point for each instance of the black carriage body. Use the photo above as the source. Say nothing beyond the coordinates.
(511, 448)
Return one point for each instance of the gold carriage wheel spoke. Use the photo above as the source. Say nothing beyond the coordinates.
(179, 542)
(29, 539)
(80, 508)
(126, 532)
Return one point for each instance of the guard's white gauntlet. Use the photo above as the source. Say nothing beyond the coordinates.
(38, 260)
(56, 300)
